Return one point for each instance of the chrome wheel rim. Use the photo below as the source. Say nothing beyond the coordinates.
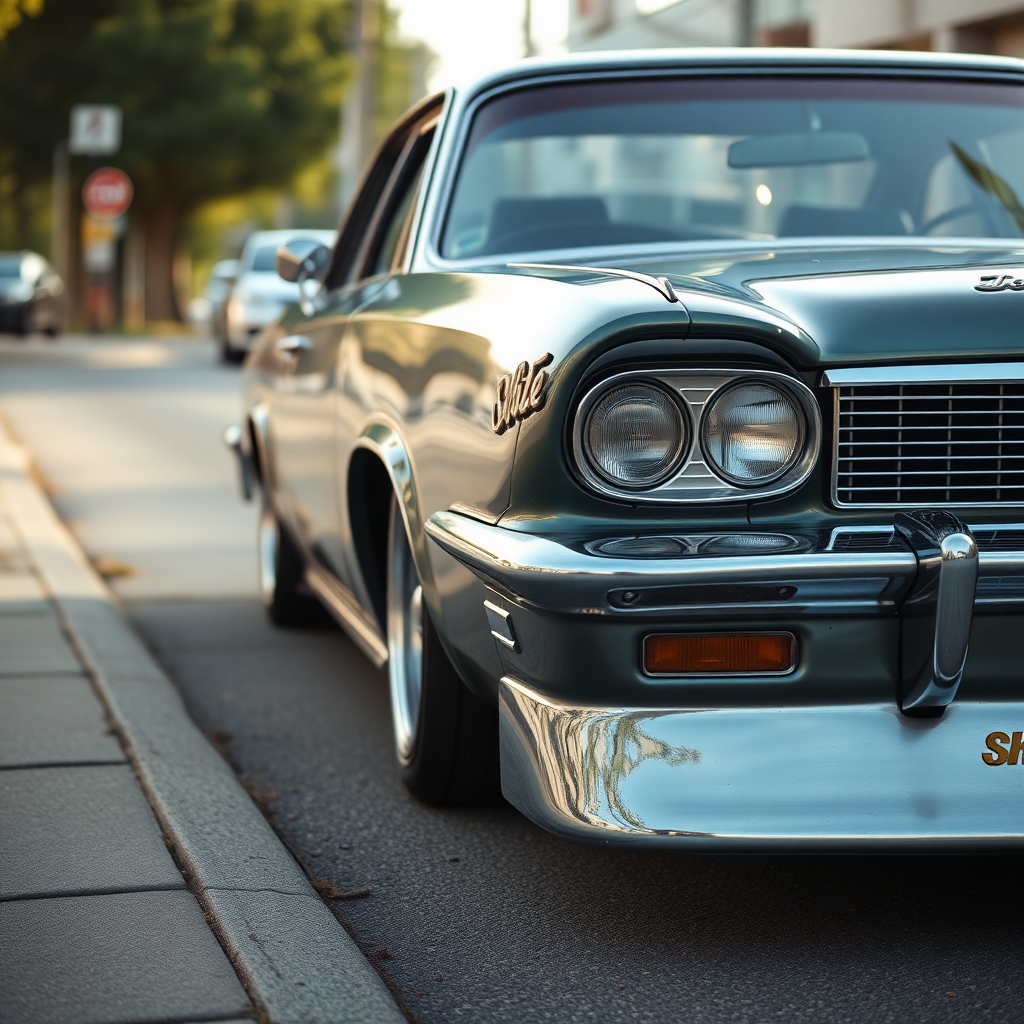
(267, 543)
(405, 639)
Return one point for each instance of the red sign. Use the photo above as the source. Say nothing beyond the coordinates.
(107, 193)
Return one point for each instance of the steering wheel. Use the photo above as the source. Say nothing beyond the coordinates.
(947, 215)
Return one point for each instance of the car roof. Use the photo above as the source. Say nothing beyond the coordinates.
(742, 58)
(284, 234)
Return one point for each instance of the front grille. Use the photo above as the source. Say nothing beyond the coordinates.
(930, 444)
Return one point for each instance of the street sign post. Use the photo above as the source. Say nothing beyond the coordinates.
(107, 193)
(95, 129)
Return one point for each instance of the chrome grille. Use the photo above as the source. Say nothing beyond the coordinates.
(930, 444)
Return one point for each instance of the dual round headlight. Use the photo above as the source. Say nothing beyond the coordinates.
(637, 435)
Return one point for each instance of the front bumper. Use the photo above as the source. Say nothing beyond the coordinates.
(851, 570)
(741, 779)
(827, 765)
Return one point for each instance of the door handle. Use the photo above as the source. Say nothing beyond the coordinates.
(292, 345)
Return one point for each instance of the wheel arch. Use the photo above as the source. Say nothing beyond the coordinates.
(378, 468)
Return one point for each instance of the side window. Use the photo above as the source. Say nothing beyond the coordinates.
(396, 231)
(390, 233)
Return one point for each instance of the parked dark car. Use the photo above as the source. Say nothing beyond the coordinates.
(658, 420)
(31, 295)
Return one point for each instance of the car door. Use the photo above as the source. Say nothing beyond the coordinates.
(313, 420)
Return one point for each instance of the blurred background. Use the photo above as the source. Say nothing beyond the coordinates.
(230, 117)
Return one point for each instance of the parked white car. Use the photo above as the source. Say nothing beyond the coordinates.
(259, 295)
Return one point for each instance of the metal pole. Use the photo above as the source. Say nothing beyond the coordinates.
(59, 227)
(528, 48)
(745, 22)
(357, 107)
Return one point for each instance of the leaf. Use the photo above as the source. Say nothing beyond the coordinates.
(990, 182)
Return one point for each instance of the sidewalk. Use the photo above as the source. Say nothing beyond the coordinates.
(138, 882)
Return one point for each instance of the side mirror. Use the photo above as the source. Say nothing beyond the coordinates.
(296, 254)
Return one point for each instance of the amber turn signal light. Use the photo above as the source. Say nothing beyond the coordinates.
(718, 654)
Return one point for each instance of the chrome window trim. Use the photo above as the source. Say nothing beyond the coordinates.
(678, 489)
(939, 373)
(421, 211)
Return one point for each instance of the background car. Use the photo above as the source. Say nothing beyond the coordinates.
(259, 296)
(31, 295)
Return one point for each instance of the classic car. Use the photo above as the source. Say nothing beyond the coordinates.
(657, 419)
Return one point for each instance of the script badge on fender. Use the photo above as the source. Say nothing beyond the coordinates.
(520, 393)
(1000, 283)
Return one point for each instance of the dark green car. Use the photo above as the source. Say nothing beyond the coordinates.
(658, 420)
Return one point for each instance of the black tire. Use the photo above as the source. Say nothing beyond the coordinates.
(447, 745)
(229, 354)
(282, 577)
(23, 322)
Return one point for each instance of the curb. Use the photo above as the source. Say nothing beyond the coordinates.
(297, 962)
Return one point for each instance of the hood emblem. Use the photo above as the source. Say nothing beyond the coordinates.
(520, 394)
(1000, 283)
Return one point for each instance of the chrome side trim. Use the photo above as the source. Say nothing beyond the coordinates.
(338, 600)
(853, 777)
(662, 285)
(259, 417)
(232, 438)
(938, 374)
(935, 623)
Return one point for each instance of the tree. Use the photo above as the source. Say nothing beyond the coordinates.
(219, 97)
(12, 11)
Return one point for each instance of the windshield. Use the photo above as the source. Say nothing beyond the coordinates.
(623, 163)
(10, 267)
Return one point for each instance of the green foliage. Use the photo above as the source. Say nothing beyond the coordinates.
(12, 12)
(219, 96)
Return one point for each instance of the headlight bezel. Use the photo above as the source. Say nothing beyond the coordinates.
(695, 479)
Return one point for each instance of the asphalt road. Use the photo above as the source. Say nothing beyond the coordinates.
(471, 915)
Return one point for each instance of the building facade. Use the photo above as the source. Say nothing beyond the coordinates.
(968, 26)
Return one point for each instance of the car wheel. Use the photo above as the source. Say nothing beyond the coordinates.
(446, 738)
(282, 577)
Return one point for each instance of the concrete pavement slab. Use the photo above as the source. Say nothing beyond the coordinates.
(21, 593)
(49, 720)
(126, 958)
(65, 831)
(228, 851)
(34, 644)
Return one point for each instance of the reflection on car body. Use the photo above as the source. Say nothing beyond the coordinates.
(654, 422)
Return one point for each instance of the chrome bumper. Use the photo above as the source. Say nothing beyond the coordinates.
(810, 572)
(841, 778)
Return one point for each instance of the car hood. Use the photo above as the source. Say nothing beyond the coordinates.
(842, 304)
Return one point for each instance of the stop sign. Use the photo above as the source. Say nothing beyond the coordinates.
(107, 193)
